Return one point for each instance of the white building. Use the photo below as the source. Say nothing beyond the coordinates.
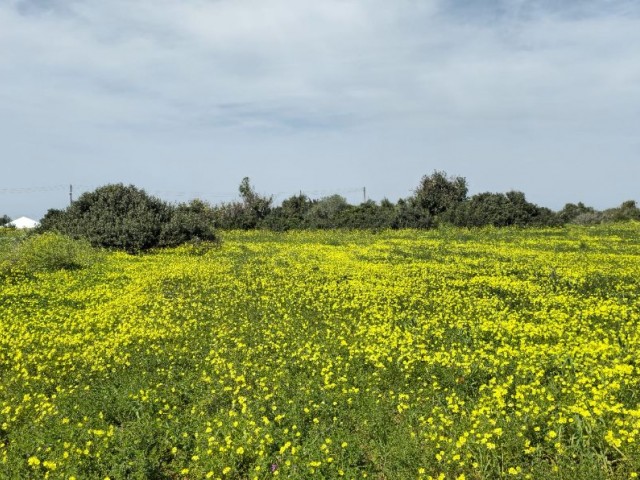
(23, 222)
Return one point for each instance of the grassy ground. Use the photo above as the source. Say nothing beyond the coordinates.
(442, 354)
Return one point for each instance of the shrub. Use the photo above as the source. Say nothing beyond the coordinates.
(192, 222)
(588, 218)
(325, 212)
(369, 215)
(289, 215)
(500, 210)
(627, 211)
(571, 210)
(127, 218)
(49, 252)
(410, 215)
(245, 215)
(9, 239)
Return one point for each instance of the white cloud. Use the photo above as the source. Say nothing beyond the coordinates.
(380, 76)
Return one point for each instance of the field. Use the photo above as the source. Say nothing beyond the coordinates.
(450, 354)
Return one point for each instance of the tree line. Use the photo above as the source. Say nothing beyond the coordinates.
(438, 199)
(127, 218)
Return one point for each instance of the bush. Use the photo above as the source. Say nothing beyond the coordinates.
(500, 210)
(289, 215)
(571, 211)
(49, 252)
(588, 218)
(627, 211)
(325, 212)
(127, 218)
(9, 240)
(192, 222)
(369, 215)
(409, 214)
(250, 213)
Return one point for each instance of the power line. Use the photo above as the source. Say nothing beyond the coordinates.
(79, 188)
(25, 190)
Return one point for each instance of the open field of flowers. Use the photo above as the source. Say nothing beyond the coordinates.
(446, 354)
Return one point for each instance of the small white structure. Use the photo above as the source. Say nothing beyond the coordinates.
(23, 222)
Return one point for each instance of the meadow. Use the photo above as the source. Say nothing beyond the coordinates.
(443, 354)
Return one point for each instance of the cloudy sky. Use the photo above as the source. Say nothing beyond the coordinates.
(185, 98)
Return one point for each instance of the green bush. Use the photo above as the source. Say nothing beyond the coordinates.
(189, 223)
(248, 214)
(410, 214)
(49, 252)
(325, 212)
(290, 215)
(500, 210)
(572, 210)
(127, 218)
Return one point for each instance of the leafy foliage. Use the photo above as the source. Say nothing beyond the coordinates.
(325, 212)
(499, 210)
(48, 252)
(571, 210)
(191, 222)
(627, 211)
(244, 215)
(290, 214)
(410, 214)
(127, 218)
(438, 193)
(439, 199)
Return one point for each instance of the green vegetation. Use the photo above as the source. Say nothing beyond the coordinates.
(127, 218)
(44, 253)
(449, 353)
(438, 200)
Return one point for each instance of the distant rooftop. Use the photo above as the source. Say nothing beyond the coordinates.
(23, 222)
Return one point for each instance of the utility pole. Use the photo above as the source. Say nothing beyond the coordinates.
(70, 194)
(364, 194)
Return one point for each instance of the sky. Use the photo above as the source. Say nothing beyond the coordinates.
(185, 98)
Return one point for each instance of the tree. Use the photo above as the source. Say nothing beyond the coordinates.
(438, 193)
(4, 219)
(249, 213)
(256, 206)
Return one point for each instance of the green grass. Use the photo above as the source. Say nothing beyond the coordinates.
(485, 353)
